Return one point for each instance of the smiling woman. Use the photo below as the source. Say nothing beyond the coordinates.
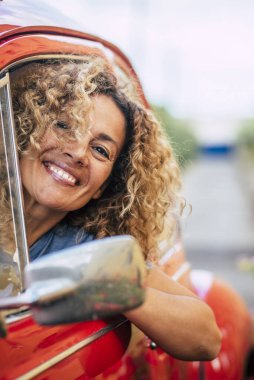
(94, 163)
(85, 147)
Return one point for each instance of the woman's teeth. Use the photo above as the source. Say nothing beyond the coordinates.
(62, 174)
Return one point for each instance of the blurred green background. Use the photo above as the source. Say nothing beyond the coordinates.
(245, 139)
(180, 134)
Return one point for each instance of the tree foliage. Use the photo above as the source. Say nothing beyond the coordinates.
(180, 135)
(245, 138)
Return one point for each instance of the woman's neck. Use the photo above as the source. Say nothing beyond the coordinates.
(40, 220)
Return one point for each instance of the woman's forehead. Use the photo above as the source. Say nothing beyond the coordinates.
(103, 118)
(106, 118)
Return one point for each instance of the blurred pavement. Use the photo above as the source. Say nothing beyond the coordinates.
(220, 229)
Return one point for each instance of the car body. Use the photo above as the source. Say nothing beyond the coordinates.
(107, 348)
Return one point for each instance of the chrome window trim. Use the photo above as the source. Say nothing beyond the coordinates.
(70, 351)
(16, 191)
(39, 57)
(169, 252)
(184, 268)
(17, 315)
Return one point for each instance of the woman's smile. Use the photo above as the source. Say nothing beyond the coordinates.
(60, 175)
(63, 169)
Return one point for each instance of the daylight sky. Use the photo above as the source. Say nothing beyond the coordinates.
(194, 56)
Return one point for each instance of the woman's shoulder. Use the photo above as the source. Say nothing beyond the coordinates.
(62, 236)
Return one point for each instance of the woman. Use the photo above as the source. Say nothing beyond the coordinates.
(94, 163)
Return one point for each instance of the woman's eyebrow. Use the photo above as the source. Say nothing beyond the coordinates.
(106, 137)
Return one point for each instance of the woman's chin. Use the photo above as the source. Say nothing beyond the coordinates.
(52, 204)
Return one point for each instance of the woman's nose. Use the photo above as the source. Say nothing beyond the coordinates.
(77, 154)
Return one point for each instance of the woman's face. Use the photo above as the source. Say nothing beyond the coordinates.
(66, 175)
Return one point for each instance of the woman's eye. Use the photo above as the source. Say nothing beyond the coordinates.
(102, 151)
(62, 125)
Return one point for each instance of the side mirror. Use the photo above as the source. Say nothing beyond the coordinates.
(89, 281)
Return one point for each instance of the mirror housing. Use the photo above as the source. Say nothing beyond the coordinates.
(90, 281)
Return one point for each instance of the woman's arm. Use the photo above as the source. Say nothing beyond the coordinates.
(177, 320)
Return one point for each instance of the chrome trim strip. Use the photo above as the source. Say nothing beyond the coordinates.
(9, 139)
(17, 316)
(22, 244)
(168, 254)
(63, 355)
(181, 271)
(40, 57)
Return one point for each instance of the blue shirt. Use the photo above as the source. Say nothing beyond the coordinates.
(59, 237)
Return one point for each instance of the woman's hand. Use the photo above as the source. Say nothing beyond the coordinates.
(176, 319)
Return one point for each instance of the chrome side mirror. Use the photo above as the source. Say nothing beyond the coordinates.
(89, 281)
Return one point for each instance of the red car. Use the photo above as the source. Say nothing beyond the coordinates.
(105, 348)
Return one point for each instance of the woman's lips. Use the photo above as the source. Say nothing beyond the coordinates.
(60, 174)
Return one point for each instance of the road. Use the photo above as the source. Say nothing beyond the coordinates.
(220, 229)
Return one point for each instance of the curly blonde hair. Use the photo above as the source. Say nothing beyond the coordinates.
(143, 189)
